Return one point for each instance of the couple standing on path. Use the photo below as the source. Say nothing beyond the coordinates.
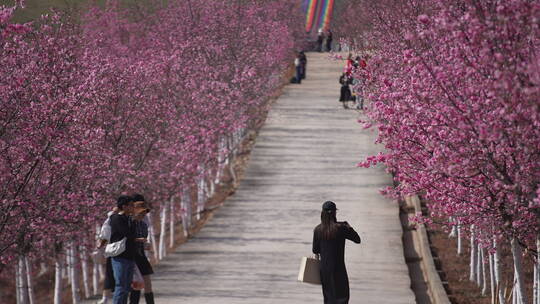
(126, 232)
(329, 243)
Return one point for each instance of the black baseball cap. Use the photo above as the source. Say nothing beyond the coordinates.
(329, 205)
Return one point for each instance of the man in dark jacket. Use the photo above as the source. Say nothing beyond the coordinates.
(123, 264)
(303, 64)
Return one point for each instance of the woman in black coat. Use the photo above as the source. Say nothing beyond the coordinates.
(329, 242)
(345, 94)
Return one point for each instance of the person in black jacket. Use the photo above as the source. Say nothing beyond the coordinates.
(141, 208)
(329, 242)
(123, 264)
(303, 63)
(329, 41)
(345, 93)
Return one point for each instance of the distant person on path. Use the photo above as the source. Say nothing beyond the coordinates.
(141, 209)
(329, 41)
(320, 40)
(123, 264)
(349, 65)
(297, 69)
(303, 63)
(345, 94)
(329, 242)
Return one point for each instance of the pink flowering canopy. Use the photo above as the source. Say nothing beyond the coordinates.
(125, 98)
(454, 90)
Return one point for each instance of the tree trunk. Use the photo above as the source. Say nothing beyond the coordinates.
(163, 221)
(200, 196)
(67, 266)
(95, 278)
(18, 284)
(498, 278)
(58, 279)
(535, 285)
(518, 269)
(473, 265)
(74, 273)
(171, 224)
(184, 203)
(537, 282)
(85, 273)
(492, 285)
(479, 267)
(459, 245)
(484, 282)
(152, 235)
(22, 279)
(31, 293)
(453, 232)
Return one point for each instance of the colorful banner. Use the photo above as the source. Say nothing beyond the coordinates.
(318, 14)
(329, 7)
(310, 14)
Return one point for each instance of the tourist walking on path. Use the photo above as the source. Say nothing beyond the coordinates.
(141, 209)
(320, 40)
(297, 69)
(329, 242)
(122, 227)
(303, 63)
(329, 41)
(345, 94)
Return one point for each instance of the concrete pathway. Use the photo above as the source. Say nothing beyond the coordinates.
(305, 154)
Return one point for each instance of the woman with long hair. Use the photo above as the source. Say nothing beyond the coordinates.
(329, 242)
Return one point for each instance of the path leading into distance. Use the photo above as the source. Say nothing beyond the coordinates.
(305, 154)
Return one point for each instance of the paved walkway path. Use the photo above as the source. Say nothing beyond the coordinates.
(305, 154)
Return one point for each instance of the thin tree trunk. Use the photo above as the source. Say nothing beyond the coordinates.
(58, 279)
(18, 283)
(212, 187)
(459, 244)
(189, 208)
(537, 270)
(184, 203)
(516, 255)
(31, 293)
(74, 273)
(473, 265)
(535, 285)
(22, 279)
(479, 266)
(453, 232)
(492, 283)
(152, 234)
(85, 273)
(484, 281)
(67, 266)
(515, 292)
(498, 277)
(95, 277)
(163, 221)
(220, 159)
(200, 197)
(171, 224)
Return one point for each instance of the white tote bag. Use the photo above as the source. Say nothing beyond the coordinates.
(116, 248)
(309, 271)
